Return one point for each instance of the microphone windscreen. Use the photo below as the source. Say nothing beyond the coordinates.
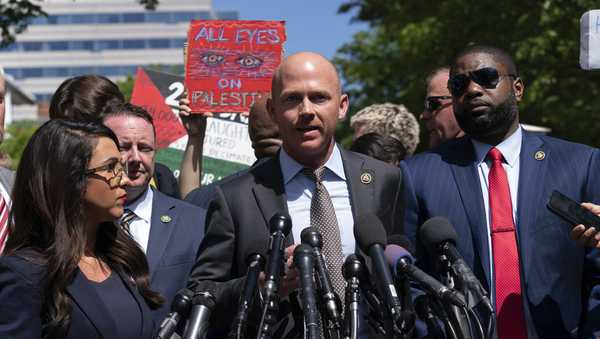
(402, 241)
(368, 230)
(435, 231)
(394, 252)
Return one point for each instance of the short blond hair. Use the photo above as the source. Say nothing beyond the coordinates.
(389, 120)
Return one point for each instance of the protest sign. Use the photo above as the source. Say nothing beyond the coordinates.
(227, 147)
(230, 63)
(589, 52)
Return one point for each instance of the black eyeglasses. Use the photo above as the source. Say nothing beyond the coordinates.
(116, 168)
(433, 103)
(487, 77)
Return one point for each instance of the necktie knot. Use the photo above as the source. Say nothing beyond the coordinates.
(495, 155)
(314, 175)
(127, 218)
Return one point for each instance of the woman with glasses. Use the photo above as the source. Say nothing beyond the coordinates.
(69, 270)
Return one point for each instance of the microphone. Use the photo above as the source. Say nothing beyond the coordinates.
(305, 262)
(439, 237)
(352, 270)
(402, 263)
(204, 302)
(371, 238)
(180, 308)
(255, 263)
(312, 237)
(279, 226)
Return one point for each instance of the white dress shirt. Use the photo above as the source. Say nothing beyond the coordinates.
(299, 190)
(140, 225)
(511, 150)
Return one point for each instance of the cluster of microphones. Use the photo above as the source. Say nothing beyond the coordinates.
(385, 291)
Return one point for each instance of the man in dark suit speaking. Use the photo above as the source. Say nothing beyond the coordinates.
(306, 103)
(493, 186)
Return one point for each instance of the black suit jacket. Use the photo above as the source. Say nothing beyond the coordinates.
(21, 295)
(237, 219)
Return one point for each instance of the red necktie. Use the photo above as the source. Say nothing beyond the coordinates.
(509, 304)
(3, 222)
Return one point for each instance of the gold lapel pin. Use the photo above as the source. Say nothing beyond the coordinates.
(366, 178)
(165, 218)
(539, 155)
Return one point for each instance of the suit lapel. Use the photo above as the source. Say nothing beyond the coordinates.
(162, 224)
(467, 180)
(532, 174)
(361, 195)
(141, 303)
(269, 191)
(89, 302)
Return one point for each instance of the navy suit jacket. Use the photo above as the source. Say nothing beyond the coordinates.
(560, 280)
(176, 230)
(21, 294)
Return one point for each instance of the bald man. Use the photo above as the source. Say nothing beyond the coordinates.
(306, 104)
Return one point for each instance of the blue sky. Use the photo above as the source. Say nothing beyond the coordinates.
(311, 25)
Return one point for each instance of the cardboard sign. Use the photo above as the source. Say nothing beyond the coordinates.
(589, 51)
(227, 147)
(230, 63)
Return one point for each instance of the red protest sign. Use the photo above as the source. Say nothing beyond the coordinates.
(230, 63)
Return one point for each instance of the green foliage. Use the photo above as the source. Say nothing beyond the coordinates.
(18, 135)
(409, 38)
(126, 87)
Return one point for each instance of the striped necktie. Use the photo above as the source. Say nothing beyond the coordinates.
(127, 219)
(4, 212)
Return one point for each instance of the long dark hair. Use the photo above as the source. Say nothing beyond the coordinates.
(48, 217)
(84, 97)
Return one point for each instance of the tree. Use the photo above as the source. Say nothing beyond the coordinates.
(16, 14)
(409, 38)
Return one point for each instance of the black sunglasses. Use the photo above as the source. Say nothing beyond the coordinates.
(487, 77)
(433, 103)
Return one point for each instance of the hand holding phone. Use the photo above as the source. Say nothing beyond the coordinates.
(584, 219)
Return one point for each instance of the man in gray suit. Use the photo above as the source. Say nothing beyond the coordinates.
(6, 175)
(306, 103)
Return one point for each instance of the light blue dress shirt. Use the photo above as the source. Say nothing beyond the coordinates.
(511, 150)
(299, 190)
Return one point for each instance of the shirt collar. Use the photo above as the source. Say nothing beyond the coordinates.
(509, 147)
(142, 207)
(290, 167)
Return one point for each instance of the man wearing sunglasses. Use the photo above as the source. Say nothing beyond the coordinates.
(493, 185)
(438, 115)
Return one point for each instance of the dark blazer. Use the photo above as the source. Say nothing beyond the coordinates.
(176, 230)
(237, 220)
(165, 181)
(21, 293)
(560, 279)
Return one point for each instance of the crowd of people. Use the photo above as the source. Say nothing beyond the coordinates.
(96, 238)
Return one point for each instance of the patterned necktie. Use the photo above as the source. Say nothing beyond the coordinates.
(4, 212)
(509, 303)
(127, 219)
(322, 217)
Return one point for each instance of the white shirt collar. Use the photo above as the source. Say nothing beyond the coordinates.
(509, 147)
(142, 207)
(290, 167)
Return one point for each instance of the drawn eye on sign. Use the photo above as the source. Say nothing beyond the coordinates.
(249, 61)
(212, 59)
